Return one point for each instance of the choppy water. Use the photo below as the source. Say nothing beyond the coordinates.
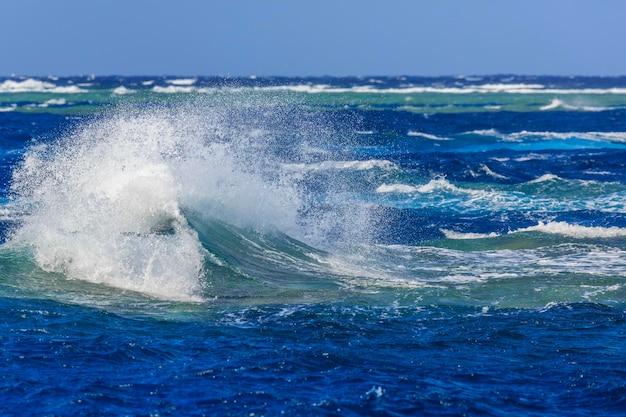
(353, 246)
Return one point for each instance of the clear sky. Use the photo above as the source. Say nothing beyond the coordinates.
(314, 37)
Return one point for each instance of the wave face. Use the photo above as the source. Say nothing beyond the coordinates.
(267, 246)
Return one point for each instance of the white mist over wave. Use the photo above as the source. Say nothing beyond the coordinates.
(105, 207)
(106, 203)
(344, 165)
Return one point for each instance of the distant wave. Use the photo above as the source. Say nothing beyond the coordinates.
(31, 85)
(576, 231)
(524, 135)
(529, 140)
(545, 178)
(555, 228)
(173, 89)
(541, 195)
(450, 234)
(557, 103)
(425, 135)
(373, 86)
(485, 88)
(121, 90)
(431, 186)
(182, 81)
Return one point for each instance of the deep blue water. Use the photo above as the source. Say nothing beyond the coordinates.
(327, 359)
(320, 246)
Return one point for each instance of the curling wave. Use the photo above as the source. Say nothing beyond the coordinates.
(143, 200)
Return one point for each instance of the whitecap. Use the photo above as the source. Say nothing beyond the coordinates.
(433, 185)
(397, 188)
(550, 135)
(54, 102)
(425, 135)
(121, 90)
(545, 178)
(576, 231)
(172, 89)
(182, 81)
(450, 234)
(31, 85)
(556, 103)
(491, 173)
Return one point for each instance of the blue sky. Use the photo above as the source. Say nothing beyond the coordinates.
(320, 37)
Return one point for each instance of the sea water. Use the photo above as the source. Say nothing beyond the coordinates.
(313, 246)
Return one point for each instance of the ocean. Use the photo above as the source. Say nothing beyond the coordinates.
(357, 246)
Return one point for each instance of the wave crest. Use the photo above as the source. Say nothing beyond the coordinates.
(106, 202)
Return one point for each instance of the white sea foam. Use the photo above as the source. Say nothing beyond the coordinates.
(397, 188)
(438, 268)
(524, 135)
(173, 89)
(532, 157)
(53, 102)
(425, 135)
(554, 228)
(433, 185)
(557, 103)
(595, 136)
(484, 132)
(576, 231)
(470, 89)
(484, 168)
(121, 90)
(450, 234)
(551, 178)
(465, 199)
(510, 88)
(597, 290)
(544, 178)
(182, 81)
(31, 85)
(595, 172)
